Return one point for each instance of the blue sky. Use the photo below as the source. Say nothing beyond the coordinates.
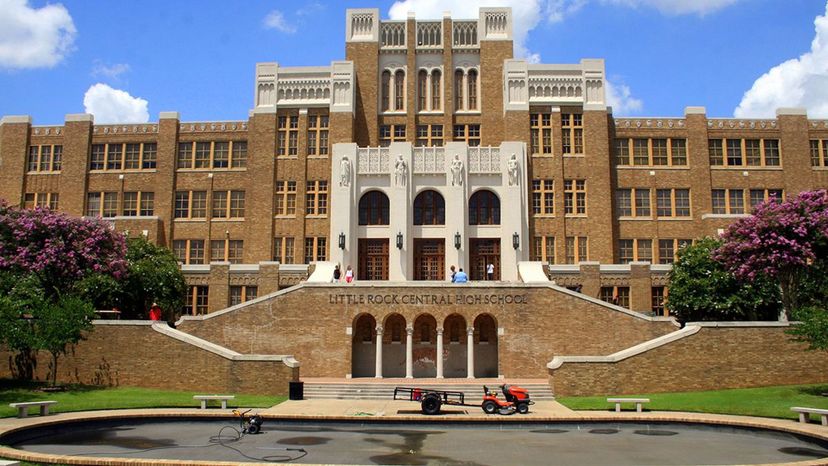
(131, 60)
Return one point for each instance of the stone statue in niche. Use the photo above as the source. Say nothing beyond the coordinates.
(456, 171)
(399, 171)
(512, 170)
(344, 171)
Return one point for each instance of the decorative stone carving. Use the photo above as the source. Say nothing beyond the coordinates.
(456, 171)
(399, 171)
(512, 170)
(345, 171)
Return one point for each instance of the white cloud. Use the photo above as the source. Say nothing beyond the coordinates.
(34, 37)
(100, 68)
(799, 82)
(276, 20)
(526, 14)
(620, 98)
(678, 7)
(114, 105)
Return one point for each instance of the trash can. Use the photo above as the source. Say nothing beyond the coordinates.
(296, 390)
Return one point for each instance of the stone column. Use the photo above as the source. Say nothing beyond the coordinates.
(378, 366)
(470, 356)
(409, 352)
(439, 356)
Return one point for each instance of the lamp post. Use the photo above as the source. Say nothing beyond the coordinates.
(515, 240)
(457, 240)
(399, 240)
(341, 240)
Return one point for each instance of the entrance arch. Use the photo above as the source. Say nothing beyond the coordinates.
(485, 346)
(393, 346)
(455, 350)
(363, 346)
(425, 346)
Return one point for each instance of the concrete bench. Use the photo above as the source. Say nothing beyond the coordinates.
(805, 414)
(205, 398)
(638, 402)
(23, 408)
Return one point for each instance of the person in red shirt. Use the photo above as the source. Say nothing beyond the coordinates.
(155, 312)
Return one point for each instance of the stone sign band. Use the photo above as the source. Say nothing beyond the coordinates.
(429, 299)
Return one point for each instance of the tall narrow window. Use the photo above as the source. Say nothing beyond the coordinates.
(422, 90)
(436, 94)
(386, 90)
(458, 90)
(472, 86)
(399, 90)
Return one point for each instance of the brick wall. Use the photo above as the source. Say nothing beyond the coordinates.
(310, 324)
(134, 354)
(713, 358)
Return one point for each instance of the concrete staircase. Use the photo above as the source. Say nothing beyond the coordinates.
(385, 391)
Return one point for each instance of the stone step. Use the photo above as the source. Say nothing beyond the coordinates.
(379, 391)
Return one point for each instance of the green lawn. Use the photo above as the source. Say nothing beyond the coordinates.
(764, 402)
(87, 398)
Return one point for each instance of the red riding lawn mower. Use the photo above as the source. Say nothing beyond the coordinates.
(516, 399)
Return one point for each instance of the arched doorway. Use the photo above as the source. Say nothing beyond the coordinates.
(363, 346)
(393, 346)
(485, 346)
(373, 252)
(425, 346)
(454, 347)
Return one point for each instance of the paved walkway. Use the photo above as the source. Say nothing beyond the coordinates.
(398, 409)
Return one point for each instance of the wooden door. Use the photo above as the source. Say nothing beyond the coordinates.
(429, 259)
(373, 259)
(484, 251)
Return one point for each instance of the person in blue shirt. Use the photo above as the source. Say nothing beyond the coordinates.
(461, 277)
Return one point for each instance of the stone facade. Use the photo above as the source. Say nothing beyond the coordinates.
(666, 161)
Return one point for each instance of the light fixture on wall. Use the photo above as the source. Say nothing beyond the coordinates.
(515, 240)
(341, 240)
(399, 240)
(457, 240)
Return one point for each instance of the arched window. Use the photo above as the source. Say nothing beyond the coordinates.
(484, 208)
(472, 90)
(429, 208)
(386, 89)
(458, 90)
(373, 208)
(422, 89)
(399, 90)
(436, 95)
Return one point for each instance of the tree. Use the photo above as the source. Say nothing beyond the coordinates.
(153, 275)
(781, 241)
(812, 327)
(56, 324)
(702, 289)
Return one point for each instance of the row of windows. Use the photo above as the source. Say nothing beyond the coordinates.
(197, 297)
(192, 251)
(43, 200)
(123, 156)
(193, 204)
(208, 155)
(44, 158)
(540, 133)
(429, 91)
(733, 201)
(620, 296)
(744, 152)
(543, 197)
(649, 152)
(635, 202)
(630, 250)
(287, 143)
(316, 249)
(316, 198)
(430, 135)
(134, 204)
(576, 249)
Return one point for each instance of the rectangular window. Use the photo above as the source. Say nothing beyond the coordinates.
(221, 154)
(196, 302)
(32, 161)
(149, 156)
(543, 197)
(132, 157)
(758, 196)
(182, 204)
(633, 202)
(623, 199)
(772, 152)
(626, 251)
(748, 152)
(236, 204)
(544, 249)
(93, 204)
(660, 152)
(575, 197)
(202, 155)
(429, 136)
(285, 198)
(110, 205)
(819, 152)
(641, 152)
(736, 201)
(572, 133)
(731, 201)
(682, 202)
(657, 295)
(316, 198)
(391, 133)
(673, 202)
(715, 152)
(540, 132)
(622, 151)
(678, 151)
(239, 154)
(630, 250)
(42, 200)
(318, 134)
(668, 249)
(130, 204)
(734, 152)
(576, 249)
(753, 153)
(644, 250)
(283, 250)
(114, 154)
(470, 134)
(618, 295)
(195, 251)
(147, 208)
(242, 293)
(288, 136)
(184, 157)
(219, 204)
(316, 249)
(719, 200)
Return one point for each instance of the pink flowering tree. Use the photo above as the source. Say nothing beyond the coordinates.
(58, 249)
(782, 241)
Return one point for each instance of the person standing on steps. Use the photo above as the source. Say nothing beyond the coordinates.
(337, 274)
(453, 273)
(349, 275)
(490, 272)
